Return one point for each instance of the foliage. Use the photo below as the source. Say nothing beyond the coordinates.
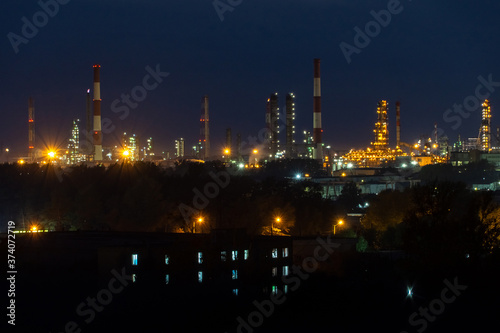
(481, 172)
(490, 226)
(350, 196)
(387, 210)
(361, 245)
(144, 197)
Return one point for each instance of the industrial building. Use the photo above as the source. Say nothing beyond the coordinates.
(290, 149)
(149, 152)
(179, 148)
(131, 147)
(272, 125)
(311, 146)
(367, 180)
(486, 126)
(379, 153)
(74, 155)
(228, 261)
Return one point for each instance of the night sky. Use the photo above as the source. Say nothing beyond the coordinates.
(429, 57)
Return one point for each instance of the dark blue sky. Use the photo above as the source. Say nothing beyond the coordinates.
(429, 57)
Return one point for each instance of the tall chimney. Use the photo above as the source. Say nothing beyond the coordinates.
(435, 133)
(398, 124)
(317, 130)
(229, 140)
(31, 131)
(290, 127)
(205, 129)
(89, 146)
(238, 147)
(97, 115)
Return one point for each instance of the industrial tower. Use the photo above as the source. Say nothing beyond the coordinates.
(290, 126)
(204, 141)
(398, 125)
(381, 131)
(179, 148)
(74, 143)
(97, 115)
(229, 142)
(31, 131)
(486, 126)
(272, 124)
(89, 145)
(238, 147)
(317, 129)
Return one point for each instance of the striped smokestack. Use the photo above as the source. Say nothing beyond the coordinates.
(205, 129)
(97, 115)
(398, 124)
(31, 131)
(317, 129)
(317, 103)
(89, 145)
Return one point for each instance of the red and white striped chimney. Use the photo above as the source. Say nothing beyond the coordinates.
(398, 124)
(97, 115)
(317, 129)
(317, 104)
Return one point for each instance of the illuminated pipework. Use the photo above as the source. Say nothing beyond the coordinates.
(486, 126)
(74, 144)
(179, 148)
(381, 131)
(372, 157)
(149, 150)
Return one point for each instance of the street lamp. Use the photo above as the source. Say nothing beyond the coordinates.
(199, 220)
(278, 220)
(226, 154)
(255, 152)
(340, 222)
(126, 154)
